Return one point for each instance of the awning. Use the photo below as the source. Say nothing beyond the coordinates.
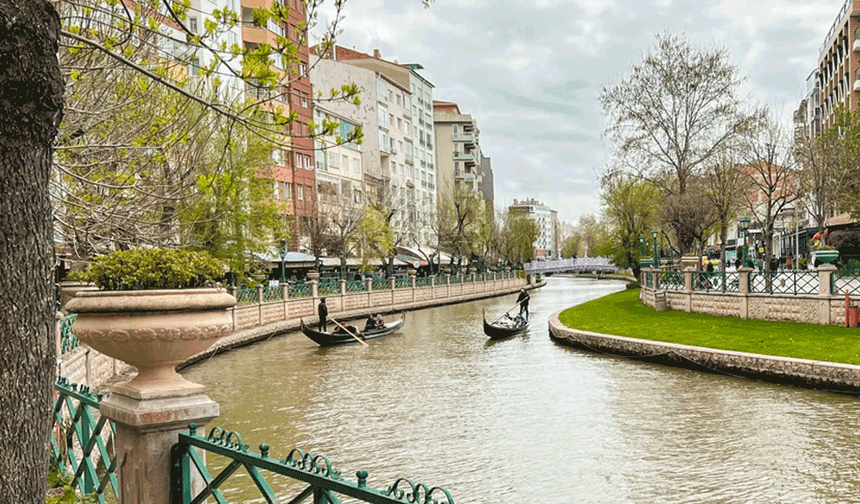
(295, 259)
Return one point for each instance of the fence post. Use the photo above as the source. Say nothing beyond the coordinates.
(688, 288)
(825, 291)
(392, 284)
(412, 274)
(285, 293)
(259, 305)
(342, 289)
(744, 290)
(368, 283)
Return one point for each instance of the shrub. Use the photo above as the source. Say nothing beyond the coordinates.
(152, 269)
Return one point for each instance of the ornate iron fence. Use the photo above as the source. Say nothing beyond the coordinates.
(649, 279)
(422, 282)
(402, 283)
(792, 282)
(324, 484)
(672, 280)
(271, 293)
(328, 288)
(300, 290)
(716, 281)
(68, 340)
(356, 286)
(381, 284)
(247, 295)
(850, 283)
(78, 441)
(455, 279)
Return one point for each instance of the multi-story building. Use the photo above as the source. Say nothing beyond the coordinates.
(839, 62)
(231, 84)
(547, 243)
(339, 175)
(458, 153)
(407, 91)
(293, 168)
(487, 180)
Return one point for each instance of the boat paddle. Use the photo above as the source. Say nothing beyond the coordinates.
(348, 331)
(506, 312)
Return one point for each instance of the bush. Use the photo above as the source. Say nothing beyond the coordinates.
(633, 285)
(152, 269)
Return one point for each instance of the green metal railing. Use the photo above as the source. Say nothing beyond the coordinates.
(247, 295)
(78, 441)
(324, 485)
(328, 288)
(422, 282)
(402, 283)
(272, 293)
(381, 284)
(300, 290)
(356, 286)
(68, 340)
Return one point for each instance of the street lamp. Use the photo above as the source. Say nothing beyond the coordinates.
(654, 233)
(341, 264)
(744, 223)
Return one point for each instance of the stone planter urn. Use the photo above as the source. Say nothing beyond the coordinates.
(411, 272)
(826, 256)
(153, 330)
(313, 275)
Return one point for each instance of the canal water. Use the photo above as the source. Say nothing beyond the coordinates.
(527, 420)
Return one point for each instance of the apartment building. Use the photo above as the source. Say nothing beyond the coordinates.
(293, 168)
(339, 175)
(547, 243)
(838, 72)
(458, 151)
(407, 91)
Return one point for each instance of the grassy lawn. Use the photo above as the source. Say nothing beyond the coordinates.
(622, 314)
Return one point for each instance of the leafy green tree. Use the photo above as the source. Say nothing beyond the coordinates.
(519, 234)
(631, 208)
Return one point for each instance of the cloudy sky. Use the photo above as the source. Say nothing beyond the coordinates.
(530, 71)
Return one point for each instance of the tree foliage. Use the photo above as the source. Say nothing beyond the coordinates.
(632, 209)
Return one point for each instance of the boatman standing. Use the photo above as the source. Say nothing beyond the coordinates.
(523, 300)
(322, 311)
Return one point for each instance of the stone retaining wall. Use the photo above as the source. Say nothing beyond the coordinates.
(830, 376)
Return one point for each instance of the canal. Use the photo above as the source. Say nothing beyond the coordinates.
(527, 420)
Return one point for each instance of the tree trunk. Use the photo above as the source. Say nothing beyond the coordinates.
(31, 96)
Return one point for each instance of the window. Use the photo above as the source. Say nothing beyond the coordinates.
(390, 120)
(400, 124)
(303, 69)
(454, 128)
(278, 157)
(383, 117)
(275, 191)
(298, 160)
(300, 193)
(192, 24)
(357, 196)
(356, 166)
(345, 160)
(307, 161)
(332, 159)
(288, 191)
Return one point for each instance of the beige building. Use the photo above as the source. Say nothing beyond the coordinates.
(458, 153)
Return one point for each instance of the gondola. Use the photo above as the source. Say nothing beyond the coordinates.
(496, 331)
(338, 338)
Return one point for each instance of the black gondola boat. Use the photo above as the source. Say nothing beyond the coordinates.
(495, 331)
(340, 338)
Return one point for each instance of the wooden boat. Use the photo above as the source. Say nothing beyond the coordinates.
(339, 338)
(498, 331)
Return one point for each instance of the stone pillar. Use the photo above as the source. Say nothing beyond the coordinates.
(342, 287)
(412, 274)
(315, 289)
(825, 275)
(688, 288)
(744, 290)
(432, 281)
(147, 426)
(285, 293)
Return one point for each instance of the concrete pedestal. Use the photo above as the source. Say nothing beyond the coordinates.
(147, 426)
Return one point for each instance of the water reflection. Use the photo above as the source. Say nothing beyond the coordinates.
(526, 420)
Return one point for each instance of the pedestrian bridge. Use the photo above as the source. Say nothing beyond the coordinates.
(600, 264)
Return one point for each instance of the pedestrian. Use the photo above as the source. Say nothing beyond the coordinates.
(322, 311)
(523, 300)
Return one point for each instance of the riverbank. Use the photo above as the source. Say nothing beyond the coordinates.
(782, 369)
(245, 337)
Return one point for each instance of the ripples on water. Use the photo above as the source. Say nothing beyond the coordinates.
(527, 420)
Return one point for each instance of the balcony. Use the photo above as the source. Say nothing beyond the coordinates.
(468, 138)
(466, 157)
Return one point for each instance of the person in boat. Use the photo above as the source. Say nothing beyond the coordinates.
(349, 329)
(523, 300)
(519, 321)
(371, 323)
(506, 320)
(380, 322)
(322, 311)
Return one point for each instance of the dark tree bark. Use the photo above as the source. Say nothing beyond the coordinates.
(31, 91)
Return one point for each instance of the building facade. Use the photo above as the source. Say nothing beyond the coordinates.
(547, 243)
(458, 152)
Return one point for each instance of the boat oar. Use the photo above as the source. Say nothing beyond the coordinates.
(506, 312)
(348, 331)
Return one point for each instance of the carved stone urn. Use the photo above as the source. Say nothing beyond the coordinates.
(153, 330)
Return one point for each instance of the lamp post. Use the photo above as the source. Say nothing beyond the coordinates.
(340, 254)
(283, 261)
(654, 233)
(744, 222)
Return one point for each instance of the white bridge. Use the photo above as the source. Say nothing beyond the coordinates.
(600, 264)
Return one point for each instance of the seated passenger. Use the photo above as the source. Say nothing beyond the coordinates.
(370, 324)
(380, 323)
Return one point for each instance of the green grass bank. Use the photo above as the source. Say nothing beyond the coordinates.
(622, 314)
